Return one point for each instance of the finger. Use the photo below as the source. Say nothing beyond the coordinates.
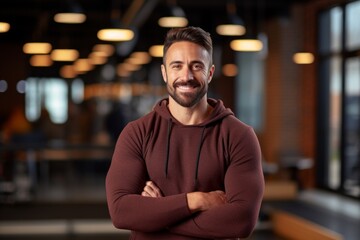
(153, 189)
(149, 191)
(145, 194)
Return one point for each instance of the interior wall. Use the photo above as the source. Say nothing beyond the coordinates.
(13, 68)
(289, 94)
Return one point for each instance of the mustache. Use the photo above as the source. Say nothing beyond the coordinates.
(189, 83)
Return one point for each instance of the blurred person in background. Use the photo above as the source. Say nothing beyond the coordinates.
(189, 169)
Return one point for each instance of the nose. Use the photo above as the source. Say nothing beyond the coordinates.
(187, 73)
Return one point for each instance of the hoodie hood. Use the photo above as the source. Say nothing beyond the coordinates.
(219, 112)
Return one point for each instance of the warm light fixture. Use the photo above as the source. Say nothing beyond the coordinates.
(139, 58)
(115, 34)
(156, 50)
(176, 17)
(234, 26)
(97, 58)
(246, 45)
(70, 18)
(37, 48)
(72, 14)
(68, 71)
(64, 55)
(104, 49)
(122, 73)
(230, 70)
(4, 27)
(170, 22)
(303, 58)
(230, 30)
(83, 65)
(128, 66)
(40, 61)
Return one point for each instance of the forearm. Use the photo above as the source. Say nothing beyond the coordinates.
(232, 220)
(203, 201)
(145, 214)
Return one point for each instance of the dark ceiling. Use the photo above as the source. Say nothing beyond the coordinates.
(32, 20)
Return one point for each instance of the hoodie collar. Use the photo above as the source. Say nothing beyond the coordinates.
(219, 112)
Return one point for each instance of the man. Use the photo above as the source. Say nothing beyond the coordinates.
(189, 169)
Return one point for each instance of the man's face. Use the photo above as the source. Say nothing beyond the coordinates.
(187, 72)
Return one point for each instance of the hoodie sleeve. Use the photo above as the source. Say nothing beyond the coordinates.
(124, 183)
(244, 186)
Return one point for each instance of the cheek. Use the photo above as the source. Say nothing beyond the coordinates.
(171, 76)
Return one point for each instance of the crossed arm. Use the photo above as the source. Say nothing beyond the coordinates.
(137, 204)
(197, 201)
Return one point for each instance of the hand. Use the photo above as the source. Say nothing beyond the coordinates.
(151, 190)
(202, 201)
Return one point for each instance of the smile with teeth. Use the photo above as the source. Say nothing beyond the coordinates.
(187, 86)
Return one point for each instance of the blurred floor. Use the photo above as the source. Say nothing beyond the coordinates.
(257, 235)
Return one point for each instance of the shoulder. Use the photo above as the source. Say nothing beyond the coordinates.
(142, 123)
(234, 124)
(237, 131)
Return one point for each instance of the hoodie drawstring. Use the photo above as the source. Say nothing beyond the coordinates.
(198, 152)
(198, 157)
(168, 146)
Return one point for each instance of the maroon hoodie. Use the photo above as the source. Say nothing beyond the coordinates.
(221, 153)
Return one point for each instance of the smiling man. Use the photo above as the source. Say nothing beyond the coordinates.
(189, 169)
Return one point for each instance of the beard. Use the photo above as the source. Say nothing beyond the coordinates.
(188, 99)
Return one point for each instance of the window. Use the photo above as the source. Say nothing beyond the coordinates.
(249, 85)
(339, 99)
(48, 93)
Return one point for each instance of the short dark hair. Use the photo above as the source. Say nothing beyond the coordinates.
(191, 34)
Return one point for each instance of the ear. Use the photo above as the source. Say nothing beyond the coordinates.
(211, 73)
(163, 72)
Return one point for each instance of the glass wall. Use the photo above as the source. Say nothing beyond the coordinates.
(339, 101)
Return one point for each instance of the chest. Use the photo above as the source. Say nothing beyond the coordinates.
(187, 159)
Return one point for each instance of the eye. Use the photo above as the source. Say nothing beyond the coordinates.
(176, 66)
(198, 67)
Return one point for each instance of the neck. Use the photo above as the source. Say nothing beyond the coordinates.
(190, 115)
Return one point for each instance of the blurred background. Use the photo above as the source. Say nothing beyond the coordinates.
(74, 73)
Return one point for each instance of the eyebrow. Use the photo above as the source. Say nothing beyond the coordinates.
(175, 62)
(181, 62)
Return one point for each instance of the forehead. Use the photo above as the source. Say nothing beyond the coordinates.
(184, 50)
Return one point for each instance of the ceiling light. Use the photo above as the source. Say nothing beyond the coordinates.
(40, 61)
(230, 30)
(170, 22)
(303, 58)
(156, 50)
(175, 18)
(121, 72)
(125, 66)
(139, 58)
(37, 48)
(230, 70)
(97, 58)
(64, 55)
(72, 14)
(68, 71)
(115, 34)
(83, 65)
(234, 26)
(246, 45)
(4, 27)
(104, 49)
(70, 18)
